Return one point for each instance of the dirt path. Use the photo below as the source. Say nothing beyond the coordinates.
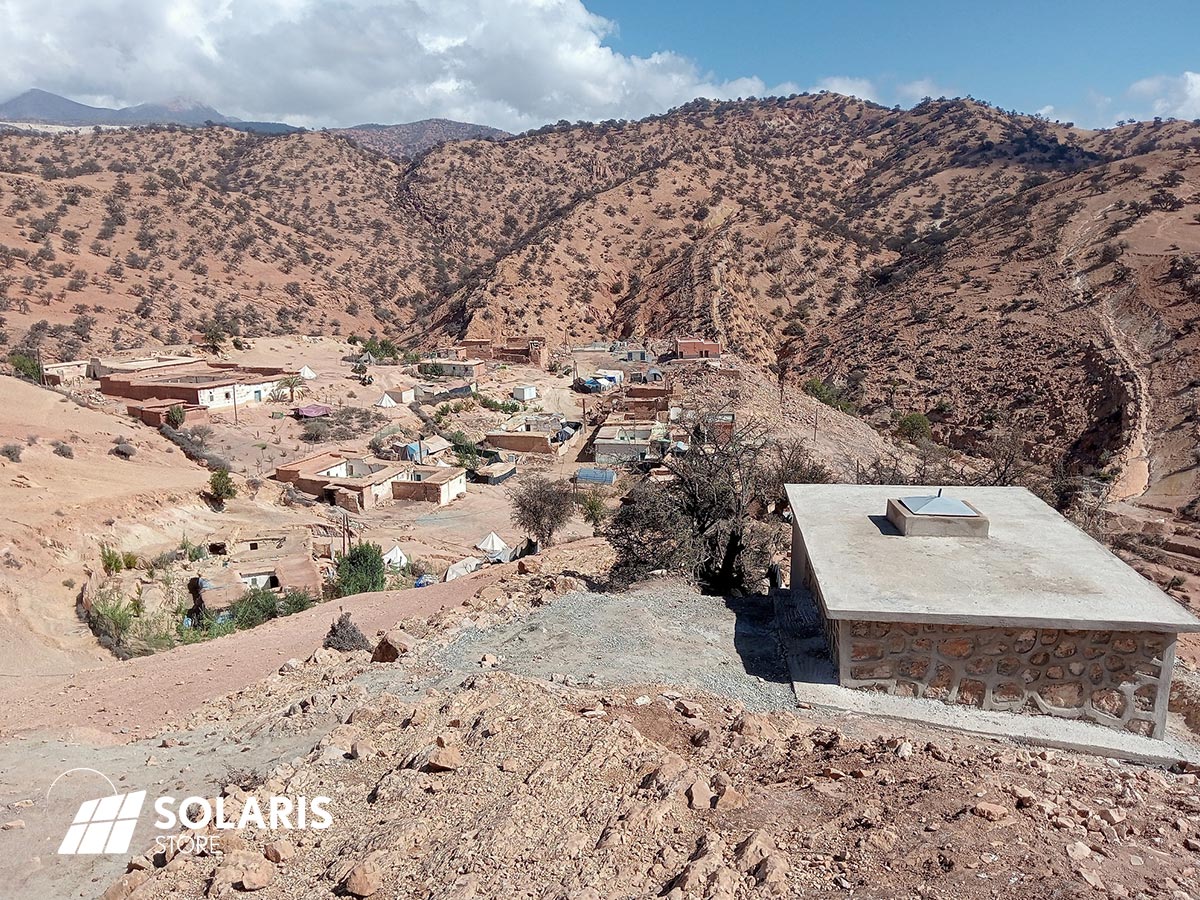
(1135, 458)
(124, 702)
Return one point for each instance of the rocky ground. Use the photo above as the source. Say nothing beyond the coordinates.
(493, 758)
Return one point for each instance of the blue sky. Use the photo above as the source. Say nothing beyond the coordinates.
(1080, 58)
(518, 64)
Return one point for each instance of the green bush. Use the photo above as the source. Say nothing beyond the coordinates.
(914, 427)
(111, 617)
(294, 601)
(176, 415)
(361, 570)
(254, 607)
(26, 366)
(221, 486)
(112, 560)
(831, 394)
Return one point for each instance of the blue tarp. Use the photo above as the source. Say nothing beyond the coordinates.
(425, 581)
(595, 476)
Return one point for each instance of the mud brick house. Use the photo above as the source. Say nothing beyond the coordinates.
(697, 348)
(986, 598)
(529, 350)
(454, 368)
(549, 433)
(356, 482)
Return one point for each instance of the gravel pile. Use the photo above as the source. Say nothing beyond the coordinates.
(665, 632)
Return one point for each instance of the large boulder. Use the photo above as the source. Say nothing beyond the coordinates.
(393, 645)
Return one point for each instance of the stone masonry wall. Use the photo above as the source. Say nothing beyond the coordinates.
(1120, 679)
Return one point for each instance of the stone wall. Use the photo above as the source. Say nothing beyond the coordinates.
(1120, 679)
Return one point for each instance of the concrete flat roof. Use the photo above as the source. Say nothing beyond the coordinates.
(1034, 570)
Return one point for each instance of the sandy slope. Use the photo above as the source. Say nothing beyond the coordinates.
(139, 697)
(55, 511)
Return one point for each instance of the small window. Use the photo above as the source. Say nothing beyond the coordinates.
(254, 545)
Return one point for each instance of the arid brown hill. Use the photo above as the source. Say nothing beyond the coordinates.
(954, 259)
(413, 138)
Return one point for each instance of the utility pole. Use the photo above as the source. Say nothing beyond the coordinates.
(235, 414)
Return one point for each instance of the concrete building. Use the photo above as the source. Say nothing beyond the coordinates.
(470, 369)
(357, 482)
(621, 442)
(696, 348)
(549, 433)
(524, 392)
(985, 597)
(99, 366)
(211, 385)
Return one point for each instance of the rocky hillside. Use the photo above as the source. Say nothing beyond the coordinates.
(498, 785)
(954, 259)
(414, 138)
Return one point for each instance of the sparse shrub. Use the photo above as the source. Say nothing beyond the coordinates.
(541, 507)
(344, 636)
(11, 452)
(64, 450)
(124, 451)
(592, 507)
(112, 560)
(315, 431)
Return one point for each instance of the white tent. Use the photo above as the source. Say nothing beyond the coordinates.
(307, 374)
(491, 544)
(385, 400)
(463, 567)
(395, 558)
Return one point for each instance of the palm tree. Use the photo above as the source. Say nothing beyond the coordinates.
(294, 385)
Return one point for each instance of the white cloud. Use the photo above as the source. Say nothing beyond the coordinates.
(1169, 95)
(863, 88)
(1046, 112)
(510, 63)
(913, 92)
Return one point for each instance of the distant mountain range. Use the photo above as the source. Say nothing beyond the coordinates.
(43, 108)
(38, 107)
(413, 138)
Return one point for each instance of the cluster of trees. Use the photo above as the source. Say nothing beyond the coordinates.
(717, 518)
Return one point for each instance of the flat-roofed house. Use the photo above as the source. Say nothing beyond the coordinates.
(696, 348)
(358, 482)
(983, 596)
(622, 442)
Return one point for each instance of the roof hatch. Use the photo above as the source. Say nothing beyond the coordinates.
(937, 505)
